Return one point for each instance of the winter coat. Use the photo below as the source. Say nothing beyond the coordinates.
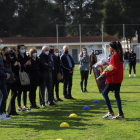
(46, 66)
(84, 63)
(132, 57)
(116, 75)
(35, 75)
(93, 59)
(25, 68)
(126, 55)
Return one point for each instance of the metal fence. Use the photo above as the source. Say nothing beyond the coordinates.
(127, 34)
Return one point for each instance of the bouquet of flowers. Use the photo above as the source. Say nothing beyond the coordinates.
(107, 69)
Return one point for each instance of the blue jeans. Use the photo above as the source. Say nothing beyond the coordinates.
(126, 62)
(4, 95)
(118, 100)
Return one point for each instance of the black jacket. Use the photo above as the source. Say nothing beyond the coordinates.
(3, 70)
(22, 61)
(15, 70)
(126, 55)
(8, 66)
(46, 65)
(58, 64)
(35, 75)
(65, 64)
(132, 57)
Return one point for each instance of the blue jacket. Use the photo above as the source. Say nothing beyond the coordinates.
(3, 70)
(65, 65)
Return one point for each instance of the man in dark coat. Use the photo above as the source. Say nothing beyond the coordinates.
(54, 69)
(67, 64)
(46, 71)
(3, 75)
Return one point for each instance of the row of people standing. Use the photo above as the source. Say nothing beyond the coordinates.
(43, 73)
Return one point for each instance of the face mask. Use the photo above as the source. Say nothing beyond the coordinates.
(51, 51)
(7, 54)
(84, 51)
(12, 54)
(56, 54)
(92, 52)
(132, 51)
(47, 52)
(1, 46)
(66, 52)
(22, 51)
(126, 50)
(34, 54)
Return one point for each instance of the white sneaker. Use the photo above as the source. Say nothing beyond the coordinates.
(2, 117)
(108, 115)
(43, 106)
(118, 117)
(134, 75)
(89, 75)
(129, 75)
(7, 116)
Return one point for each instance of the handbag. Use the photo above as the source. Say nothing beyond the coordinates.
(24, 78)
(59, 77)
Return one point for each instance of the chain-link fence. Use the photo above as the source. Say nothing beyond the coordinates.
(94, 37)
(97, 37)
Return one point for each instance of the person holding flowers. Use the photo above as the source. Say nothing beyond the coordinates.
(114, 79)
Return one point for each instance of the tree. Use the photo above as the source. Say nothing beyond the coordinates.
(131, 14)
(28, 18)
(36, 18)
(113, 18)
(85, 12)
(8, 18)
(122, 12)
(63, 17)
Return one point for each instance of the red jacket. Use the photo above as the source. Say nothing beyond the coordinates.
(116, 75)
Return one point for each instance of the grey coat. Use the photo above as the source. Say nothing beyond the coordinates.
(84, 63)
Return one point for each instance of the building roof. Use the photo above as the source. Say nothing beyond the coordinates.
(40, 40)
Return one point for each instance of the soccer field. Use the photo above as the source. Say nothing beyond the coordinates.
(44, 123)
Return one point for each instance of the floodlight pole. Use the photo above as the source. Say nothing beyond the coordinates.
(57, 33)
(105, 51)
(124, 34)
(80, 35)
(102, 35)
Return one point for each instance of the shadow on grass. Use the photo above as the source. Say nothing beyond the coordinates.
(51, 117)
(132, 119)
(130, 85)
(129, 92)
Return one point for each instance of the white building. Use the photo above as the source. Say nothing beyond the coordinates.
(91, 43)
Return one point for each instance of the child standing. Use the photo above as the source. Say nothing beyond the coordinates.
(114, 79)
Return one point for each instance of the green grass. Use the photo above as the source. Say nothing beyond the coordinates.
(43, 124)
